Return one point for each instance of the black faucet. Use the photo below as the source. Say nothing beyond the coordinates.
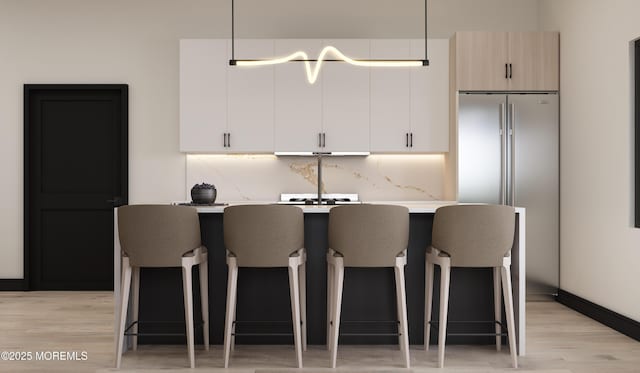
(319, 156)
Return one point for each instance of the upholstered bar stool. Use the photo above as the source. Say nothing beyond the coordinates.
(471, 236)
(266, 236)
(366, 236)
(161, 236)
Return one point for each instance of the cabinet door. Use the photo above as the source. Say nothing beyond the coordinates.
(345, 99)
(481, 59)
(535, 60)
(298, 104)
(430, 98)
(390, 100)
(203, 95)
(251, 99)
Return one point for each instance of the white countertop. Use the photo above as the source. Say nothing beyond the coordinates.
(415, 207)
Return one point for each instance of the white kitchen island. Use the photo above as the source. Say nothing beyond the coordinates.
(314, 215)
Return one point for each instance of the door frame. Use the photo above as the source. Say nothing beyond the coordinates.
(635, 72)
(123, 89)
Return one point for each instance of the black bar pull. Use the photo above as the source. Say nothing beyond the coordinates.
(228, 140)
(510, 71)
(506, 71)
(411, 140)
(406, 140)
(319, 140)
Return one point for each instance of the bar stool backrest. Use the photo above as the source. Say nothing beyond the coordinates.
(474, 235)
(263, 235)
(369, 235)
(158, 235)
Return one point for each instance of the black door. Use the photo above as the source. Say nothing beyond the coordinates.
(75, 173)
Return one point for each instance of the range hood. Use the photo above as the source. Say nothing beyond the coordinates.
(315, 154)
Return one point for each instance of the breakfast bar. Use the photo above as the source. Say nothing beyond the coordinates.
(369, 293)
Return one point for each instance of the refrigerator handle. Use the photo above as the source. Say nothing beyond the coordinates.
(503, 156)
(512, 154)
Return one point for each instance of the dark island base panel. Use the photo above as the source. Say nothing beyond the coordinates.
(369, 294)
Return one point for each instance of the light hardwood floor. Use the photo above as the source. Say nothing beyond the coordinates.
(559, 340)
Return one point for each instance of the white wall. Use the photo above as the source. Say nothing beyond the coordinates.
(600, 251)
(80, 41)
(136, 42)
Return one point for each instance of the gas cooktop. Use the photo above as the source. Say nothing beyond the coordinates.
(312, 199)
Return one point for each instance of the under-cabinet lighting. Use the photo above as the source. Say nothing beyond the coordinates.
(434, 157)
(230, 156)
(293, 153)
(310, 154)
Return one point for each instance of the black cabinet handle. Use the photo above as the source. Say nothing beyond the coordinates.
(406, 139)
(411, 140)
(228, 140)
(510, 71)
(506, 71)
(224, 140)
(324, 139)
(319, 140)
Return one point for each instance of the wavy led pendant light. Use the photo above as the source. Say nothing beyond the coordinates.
(312, 73)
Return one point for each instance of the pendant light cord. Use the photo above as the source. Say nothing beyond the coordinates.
(233, 47)
(426, 58)
(232, 61)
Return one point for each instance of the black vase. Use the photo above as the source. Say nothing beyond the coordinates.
(203, 194)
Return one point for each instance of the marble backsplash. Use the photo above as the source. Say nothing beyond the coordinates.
(375, 178)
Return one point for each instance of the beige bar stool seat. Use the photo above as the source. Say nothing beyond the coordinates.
(161, 236)
(267, 236)
(366, 236)
(471, 236)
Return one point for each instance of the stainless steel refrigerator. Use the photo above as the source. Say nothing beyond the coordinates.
(508, 153)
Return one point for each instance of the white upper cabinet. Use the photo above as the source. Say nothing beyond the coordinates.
(225, 109)
(203, 95)
(410, 106)
(262, 109)
(298, 104)
(251, 99)
(390, 100)
(345, 99)
(429, 99)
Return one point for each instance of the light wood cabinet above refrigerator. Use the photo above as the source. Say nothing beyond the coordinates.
(506, 61)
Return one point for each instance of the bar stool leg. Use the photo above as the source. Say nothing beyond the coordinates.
(398, 314)
(337, 303)
(330, 306)
(402, 309)
(445, 275)
(187, 285)
(233, 327)
(508, 302)
(497, 305)
(232, 287)
(135, 279)
(124, 303)
(203, 271)
(302, 274)
(294, 289)
(428, 283)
